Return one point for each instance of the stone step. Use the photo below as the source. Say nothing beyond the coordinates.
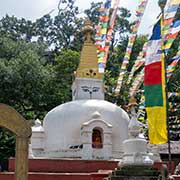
(62, 176)
(176, 177)
(66, 166)
(57, 176)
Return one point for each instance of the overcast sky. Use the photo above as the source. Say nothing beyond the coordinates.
(33, 9)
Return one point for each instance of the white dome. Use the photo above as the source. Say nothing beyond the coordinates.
(62, 125)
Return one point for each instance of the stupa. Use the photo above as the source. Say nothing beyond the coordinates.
(88, 127)
(135, 148)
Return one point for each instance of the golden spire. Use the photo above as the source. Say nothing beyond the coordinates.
(132, 101)
(88, 67)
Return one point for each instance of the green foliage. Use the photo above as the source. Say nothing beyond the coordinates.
(7, 144)
(30, 84)
(33, 78)
(122, 25)
(64, 30)
(25, 79)
(65, 65)
(93, 12)
(17, 28)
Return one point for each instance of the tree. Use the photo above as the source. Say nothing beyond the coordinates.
(93, 12)
(30, 84)
(60, 32)
(65, 66)
(23, 78)
(7, 144)
(123, 24)
(17, 29)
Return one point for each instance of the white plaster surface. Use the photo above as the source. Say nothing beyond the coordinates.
(82, 87)
(106, 134)
(62, 125)
(135, 148)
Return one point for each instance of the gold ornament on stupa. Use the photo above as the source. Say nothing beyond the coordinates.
(88, 67)
(132, 102)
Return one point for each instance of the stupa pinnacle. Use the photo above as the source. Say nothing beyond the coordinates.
(88, 67)
(88, 83)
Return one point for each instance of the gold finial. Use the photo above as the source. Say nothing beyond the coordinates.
(88, 30)
(132, 102)
(88, 67)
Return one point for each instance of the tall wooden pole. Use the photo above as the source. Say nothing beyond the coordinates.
(162, 4)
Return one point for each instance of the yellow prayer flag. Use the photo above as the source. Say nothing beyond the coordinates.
(157, 124)
(167, 46)
(101, 59)
(174, 2)
(103, 31)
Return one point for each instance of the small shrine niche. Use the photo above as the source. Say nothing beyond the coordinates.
(97, 139)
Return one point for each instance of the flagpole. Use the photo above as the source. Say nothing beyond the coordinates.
(162, 4)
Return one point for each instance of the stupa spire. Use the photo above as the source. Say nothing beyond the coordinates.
(88, 83)
(88, 67)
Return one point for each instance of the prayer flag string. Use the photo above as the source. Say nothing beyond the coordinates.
(138, 63)
(170, 31)
(110, 31)
(172, 66)
(139, 14)
(101, 34)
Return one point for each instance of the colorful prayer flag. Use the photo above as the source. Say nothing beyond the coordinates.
(154, 86)
(141, 8)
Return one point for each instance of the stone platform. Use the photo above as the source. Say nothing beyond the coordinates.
(57, 176)
(66, 165)
(66, 169)
(63, 169)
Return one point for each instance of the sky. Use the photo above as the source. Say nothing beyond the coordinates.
(34, 9)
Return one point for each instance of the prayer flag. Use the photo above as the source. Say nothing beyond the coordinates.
(141, 8)
(154, 86)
